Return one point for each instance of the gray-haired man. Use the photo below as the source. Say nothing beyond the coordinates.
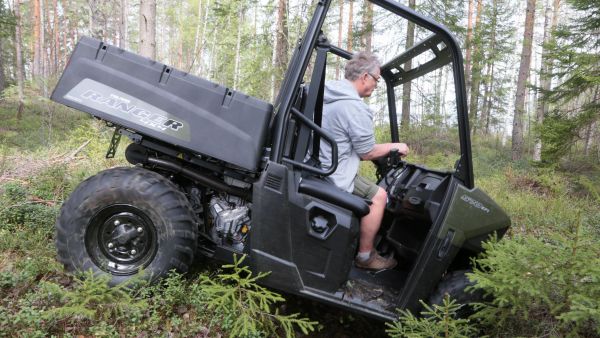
(350, 121)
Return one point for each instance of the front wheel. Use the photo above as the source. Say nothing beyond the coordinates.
(123, 221)
(454, 284)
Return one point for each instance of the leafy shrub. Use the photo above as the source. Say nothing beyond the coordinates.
(247, 306)
(435, 321)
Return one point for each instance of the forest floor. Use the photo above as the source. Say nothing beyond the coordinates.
(44, 156)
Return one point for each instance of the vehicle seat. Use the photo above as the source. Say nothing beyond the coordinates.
(330, 193)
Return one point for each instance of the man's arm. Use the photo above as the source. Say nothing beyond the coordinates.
(383, 149)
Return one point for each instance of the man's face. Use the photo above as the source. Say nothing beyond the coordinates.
(368, 83)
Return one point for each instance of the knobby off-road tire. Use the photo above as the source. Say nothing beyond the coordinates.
(454, 284)
(124, 220)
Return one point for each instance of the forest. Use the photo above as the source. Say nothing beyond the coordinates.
(532, 71)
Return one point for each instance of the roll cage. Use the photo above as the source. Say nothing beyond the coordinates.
(441, 43)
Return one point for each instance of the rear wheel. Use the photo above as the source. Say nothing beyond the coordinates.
(125, 220)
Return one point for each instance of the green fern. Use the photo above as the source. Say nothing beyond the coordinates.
(248, 305)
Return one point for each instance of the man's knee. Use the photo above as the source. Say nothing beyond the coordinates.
(380, 197)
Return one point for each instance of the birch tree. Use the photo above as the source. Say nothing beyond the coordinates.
(148, 28)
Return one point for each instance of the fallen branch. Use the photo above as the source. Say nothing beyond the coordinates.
(74, 153)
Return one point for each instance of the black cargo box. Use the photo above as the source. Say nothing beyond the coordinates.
(164, 103)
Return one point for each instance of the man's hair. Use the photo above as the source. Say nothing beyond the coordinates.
(361, 62)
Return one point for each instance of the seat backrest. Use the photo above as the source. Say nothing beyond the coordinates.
(300, 103)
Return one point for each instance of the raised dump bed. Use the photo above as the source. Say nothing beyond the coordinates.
(164, 103)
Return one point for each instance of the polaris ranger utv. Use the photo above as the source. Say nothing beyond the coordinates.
(219, 173)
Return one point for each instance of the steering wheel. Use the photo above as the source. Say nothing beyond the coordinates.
(385, 163)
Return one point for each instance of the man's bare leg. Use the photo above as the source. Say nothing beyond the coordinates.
(369, 224)
(368, 258)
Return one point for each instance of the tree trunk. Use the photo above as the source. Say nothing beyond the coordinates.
(56, 37)
(517, 132)
(468, 45)
(123, 26)
(148, 28)
(487, 102)
(340, 28)
(589, 134)
(587, 140)
(2, 76)
(36, 69)
(350, 27)
(487, 98)
(47, 45)
(202, 37)
(236, 72)
(197, 36)
(19, 57)
(91, 4)
(545, 76)
(476, 67)
(367, 37)
(281, 44)
(43, 59)
(437, 107)
(406, 88)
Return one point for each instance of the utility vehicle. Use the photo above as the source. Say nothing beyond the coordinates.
(218, 173)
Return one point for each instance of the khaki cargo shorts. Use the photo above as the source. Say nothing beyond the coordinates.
(364, 188)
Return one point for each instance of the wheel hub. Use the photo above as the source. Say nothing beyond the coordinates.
(127, 239)
(121, 239)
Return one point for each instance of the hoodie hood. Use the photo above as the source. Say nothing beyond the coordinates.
(339, 90)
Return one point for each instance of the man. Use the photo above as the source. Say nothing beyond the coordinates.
(350, 121)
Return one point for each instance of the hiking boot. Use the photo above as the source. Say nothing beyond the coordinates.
(376, 262)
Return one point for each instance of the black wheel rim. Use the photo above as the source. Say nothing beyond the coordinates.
(121, 239)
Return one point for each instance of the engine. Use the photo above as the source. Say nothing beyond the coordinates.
(231, 220)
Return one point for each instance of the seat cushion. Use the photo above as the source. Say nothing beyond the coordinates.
(330, 193)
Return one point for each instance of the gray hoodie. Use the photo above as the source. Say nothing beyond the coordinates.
(350, 121)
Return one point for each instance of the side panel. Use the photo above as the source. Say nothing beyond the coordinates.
(465, 215)
(164, 103)
(302, 241)
(472, 216)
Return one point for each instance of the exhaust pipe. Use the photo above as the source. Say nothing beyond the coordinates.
(138, 154)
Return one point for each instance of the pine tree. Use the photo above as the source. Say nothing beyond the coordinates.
(498, 47)
(576, 52)
(517, 132)
(545, 74)
(476, 66)
(406, 88)
(19, 58)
